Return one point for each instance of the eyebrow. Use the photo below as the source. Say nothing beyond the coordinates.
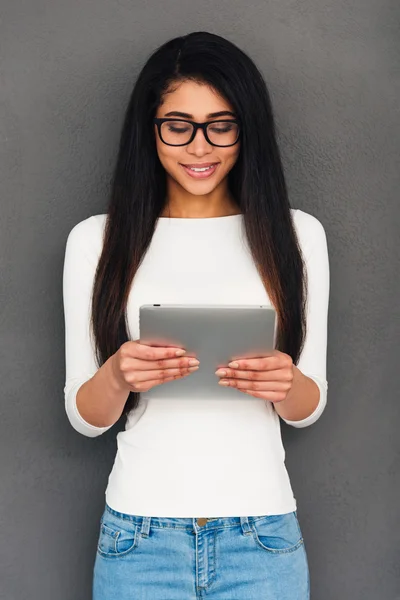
(222, 113)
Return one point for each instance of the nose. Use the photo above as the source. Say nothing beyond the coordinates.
(199, 144)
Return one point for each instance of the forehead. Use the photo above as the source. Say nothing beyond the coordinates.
(195, 99)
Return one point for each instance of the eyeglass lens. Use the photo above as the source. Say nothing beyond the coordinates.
(223, 133)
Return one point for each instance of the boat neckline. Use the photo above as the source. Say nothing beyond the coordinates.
(199, 218)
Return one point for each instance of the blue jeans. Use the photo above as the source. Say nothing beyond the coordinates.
(225, 558)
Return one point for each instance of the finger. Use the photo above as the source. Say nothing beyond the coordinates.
(258, 386)
(135, 377)
(264, 363)
(146, 352)
(254, 375)
(146, 385)
(161, 363)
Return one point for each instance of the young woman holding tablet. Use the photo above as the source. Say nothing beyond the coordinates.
(199, 503)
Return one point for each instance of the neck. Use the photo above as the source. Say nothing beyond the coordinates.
(203, 215)
(182, 204)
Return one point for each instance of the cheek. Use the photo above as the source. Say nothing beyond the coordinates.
(231, 154)
(165, 153)
(231, 157)
(168, 157)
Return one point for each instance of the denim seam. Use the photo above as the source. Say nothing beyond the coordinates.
(214, 571)
(298, 524)
(115, 535)
(276, 550)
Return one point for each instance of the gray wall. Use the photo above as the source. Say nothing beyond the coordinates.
(67, 69)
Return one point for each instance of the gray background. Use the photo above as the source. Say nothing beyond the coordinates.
(67, 69)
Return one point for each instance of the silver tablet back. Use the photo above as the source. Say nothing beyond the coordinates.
(215, 334)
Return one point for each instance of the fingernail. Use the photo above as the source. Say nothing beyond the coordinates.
(180, 352)
(220, 372)
(234, 365)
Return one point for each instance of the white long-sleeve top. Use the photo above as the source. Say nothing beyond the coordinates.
(204, 458)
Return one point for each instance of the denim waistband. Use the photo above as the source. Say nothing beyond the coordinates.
(186, 523)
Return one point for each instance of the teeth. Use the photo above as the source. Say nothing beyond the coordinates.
(201, 170)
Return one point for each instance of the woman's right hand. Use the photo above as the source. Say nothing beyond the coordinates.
(138, 367)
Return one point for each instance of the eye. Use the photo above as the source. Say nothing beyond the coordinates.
(223, 127)
(177, 127)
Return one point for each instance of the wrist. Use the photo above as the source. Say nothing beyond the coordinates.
(117, 381)
(302, 399)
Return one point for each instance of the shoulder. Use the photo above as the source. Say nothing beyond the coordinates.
(91, 227)
(310, 231)
(86, 237)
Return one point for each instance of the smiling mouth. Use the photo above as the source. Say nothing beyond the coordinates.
(200, 172)
(199, 165)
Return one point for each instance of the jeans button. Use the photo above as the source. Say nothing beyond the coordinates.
(201, 521)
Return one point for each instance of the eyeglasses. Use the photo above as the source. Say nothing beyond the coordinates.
(179, 132)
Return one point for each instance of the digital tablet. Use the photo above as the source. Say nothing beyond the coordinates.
(215, 334)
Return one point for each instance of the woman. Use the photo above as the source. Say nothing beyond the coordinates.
(199, 502)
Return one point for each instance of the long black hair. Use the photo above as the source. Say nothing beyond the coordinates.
(256, 182)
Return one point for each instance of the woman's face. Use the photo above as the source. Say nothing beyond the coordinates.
(198, 101)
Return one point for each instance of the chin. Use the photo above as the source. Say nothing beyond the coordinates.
(199, 189)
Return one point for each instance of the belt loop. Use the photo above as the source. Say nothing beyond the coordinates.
(145, 526)
(244, 522)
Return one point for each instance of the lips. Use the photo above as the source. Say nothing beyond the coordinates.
(211, 168)
(199, 165)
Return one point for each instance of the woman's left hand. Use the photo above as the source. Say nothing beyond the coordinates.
(269, 377)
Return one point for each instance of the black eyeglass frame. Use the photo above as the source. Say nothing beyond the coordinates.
(196, 126)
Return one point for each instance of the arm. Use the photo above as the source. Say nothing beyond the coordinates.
(307, 399)
(94, 399)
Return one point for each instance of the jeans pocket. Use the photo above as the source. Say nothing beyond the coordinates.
(117, 537)
(278, 534)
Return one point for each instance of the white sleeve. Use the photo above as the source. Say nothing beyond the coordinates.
(312, 361)
(80, 262)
